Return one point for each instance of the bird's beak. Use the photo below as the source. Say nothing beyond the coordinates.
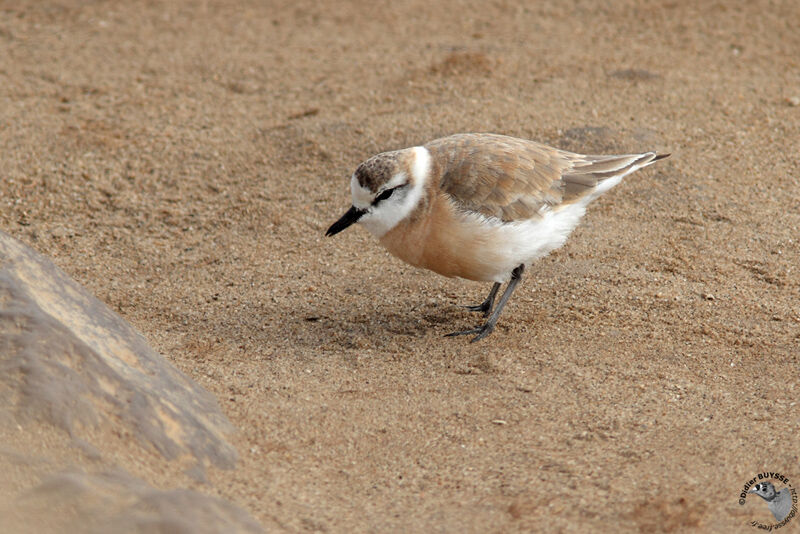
(352, 215)
(752, 490)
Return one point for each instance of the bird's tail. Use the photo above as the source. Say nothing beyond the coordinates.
(591, 176)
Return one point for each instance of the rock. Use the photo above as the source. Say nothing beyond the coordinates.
(114, 501)
(69, 360)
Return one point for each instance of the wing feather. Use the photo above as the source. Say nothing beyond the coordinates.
(515, 179)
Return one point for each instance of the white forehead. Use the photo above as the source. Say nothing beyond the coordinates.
(362, 197)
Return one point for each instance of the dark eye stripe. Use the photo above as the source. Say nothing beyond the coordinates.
(384, 195)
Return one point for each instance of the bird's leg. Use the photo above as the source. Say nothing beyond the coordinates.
(486, 329)
(486, 306)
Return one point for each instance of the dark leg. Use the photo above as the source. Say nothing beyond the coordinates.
(486, 329)
(486, 306)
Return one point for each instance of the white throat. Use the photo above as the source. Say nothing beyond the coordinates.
(386, 215)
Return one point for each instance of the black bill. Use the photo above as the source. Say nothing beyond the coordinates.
(352, 215)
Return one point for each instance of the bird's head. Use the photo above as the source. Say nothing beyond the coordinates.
(765, 490)
(385, 190)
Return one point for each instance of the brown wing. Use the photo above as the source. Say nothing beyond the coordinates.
(514, 179)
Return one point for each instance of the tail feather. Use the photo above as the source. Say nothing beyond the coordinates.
(594, 175)
(602, 164)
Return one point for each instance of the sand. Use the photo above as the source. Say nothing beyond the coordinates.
(183, 160)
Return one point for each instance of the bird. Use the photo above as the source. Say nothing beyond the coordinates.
(479, 206)
(779, 503)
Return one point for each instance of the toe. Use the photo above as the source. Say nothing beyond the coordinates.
(482, 333)
(463, 332)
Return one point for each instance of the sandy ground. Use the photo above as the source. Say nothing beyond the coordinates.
(183, 160)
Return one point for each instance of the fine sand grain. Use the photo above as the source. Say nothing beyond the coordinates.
(183, 160)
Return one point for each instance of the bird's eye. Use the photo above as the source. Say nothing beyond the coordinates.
(384, 195)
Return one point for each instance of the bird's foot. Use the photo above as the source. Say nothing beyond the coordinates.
(484, 307)
(481, 331)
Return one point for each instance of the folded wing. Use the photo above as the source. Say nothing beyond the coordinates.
(514, 179)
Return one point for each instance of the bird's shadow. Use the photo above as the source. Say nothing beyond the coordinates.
(372, 324)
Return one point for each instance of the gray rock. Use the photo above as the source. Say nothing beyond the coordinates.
(67, 359)
(114, 501)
